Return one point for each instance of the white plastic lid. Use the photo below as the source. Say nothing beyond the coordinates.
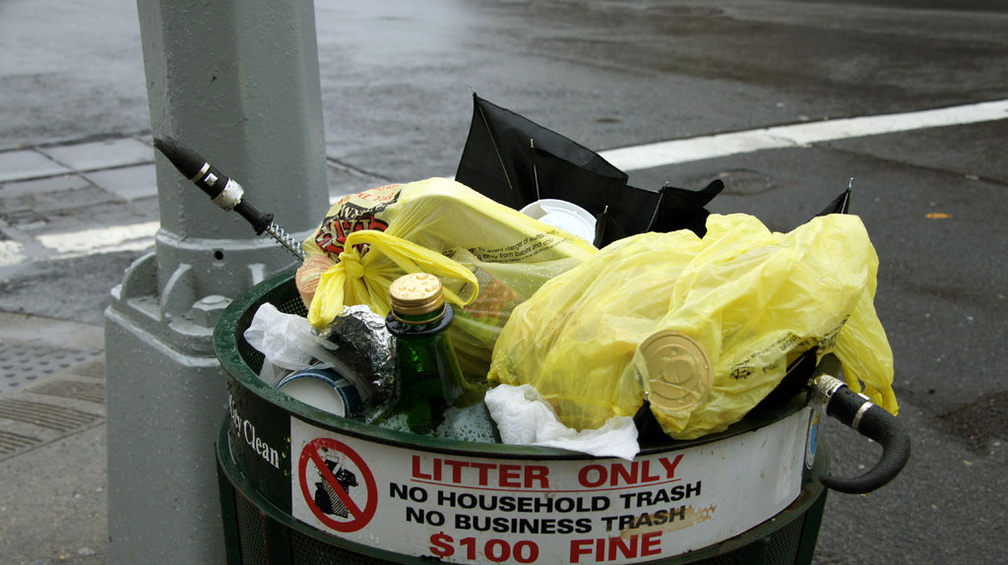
(564, 215)
(315, 388)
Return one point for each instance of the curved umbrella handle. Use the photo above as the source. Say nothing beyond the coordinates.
(871, 421)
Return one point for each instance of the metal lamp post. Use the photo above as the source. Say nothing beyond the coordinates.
(237, 80)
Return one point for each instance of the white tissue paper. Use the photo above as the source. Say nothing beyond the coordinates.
(286, 340)
(524, 417)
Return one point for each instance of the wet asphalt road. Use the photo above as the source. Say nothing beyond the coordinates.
(396, 84)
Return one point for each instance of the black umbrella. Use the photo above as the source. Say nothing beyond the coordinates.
(497, 158)
(840, 204)
(515, 161)
(621, 209)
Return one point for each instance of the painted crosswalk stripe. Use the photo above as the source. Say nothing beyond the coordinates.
(133, 237)
(676, 151)
(11, 253)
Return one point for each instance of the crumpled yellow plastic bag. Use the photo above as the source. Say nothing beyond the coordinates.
(489, 257)
(703, 327)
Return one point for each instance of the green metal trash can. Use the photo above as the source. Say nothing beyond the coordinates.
(301, 486)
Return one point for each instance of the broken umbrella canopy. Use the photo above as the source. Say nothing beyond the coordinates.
(515, 161)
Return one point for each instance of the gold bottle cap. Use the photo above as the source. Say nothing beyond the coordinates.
(416, 294)
(679, 373)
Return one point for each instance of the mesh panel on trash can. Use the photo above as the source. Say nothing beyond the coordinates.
(253, 536)
(306, 550)
(783, 546)
(779, 548)
(727, 559)
(301, 549)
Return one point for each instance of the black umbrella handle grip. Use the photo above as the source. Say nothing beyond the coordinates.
(871, 421)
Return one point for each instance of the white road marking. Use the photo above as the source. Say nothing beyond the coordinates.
(11, 253)
(798, 135)
(133, 237)
(140, 236)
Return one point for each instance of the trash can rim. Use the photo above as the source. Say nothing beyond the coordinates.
(226, 350)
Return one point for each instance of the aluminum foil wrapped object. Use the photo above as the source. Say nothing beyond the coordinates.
(364, 353)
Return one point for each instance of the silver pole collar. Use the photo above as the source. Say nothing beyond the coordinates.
(824, 387)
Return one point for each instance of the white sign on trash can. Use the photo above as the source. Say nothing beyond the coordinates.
(464, 509)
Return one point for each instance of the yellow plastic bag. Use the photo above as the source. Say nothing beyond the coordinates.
(490, 257)
(703, 327)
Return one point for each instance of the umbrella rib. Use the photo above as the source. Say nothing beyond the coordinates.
(500, 158)
(661, 194)
(535, 170)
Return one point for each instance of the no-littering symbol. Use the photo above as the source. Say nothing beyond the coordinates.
(337, 485)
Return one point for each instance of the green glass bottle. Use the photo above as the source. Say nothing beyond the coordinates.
(428, 376)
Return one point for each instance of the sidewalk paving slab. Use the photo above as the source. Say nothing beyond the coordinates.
(63, 182)
(105, 154)
(129, 183)
(26, 164)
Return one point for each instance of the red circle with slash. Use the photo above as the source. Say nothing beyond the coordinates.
(359, 516)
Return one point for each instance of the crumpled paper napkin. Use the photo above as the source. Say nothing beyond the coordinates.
(524, 417)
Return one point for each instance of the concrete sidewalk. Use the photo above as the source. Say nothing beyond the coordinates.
(52, 441)
(52, 367)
